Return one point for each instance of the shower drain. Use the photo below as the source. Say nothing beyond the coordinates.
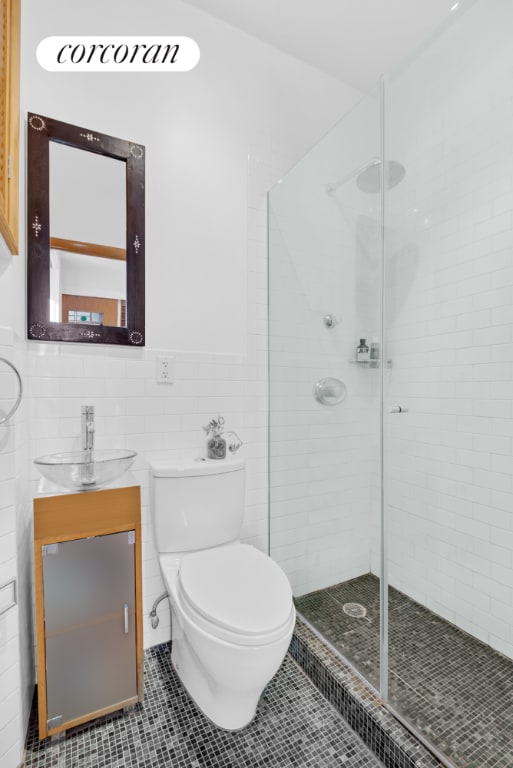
(355, 610)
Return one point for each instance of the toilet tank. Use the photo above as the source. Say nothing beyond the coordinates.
(197, 503)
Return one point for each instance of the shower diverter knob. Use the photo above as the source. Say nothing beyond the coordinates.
(330, 391)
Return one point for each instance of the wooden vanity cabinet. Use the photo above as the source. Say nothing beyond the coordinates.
(87, 557)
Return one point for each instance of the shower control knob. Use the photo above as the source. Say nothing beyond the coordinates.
(397, 409)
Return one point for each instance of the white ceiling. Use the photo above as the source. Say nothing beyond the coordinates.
(354, 40)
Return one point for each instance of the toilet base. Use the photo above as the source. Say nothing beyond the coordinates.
(225, 681)
(228, 709)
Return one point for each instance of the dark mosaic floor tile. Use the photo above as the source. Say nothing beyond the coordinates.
(356, 638)
(358, 703)
(455, 690)
(294, 728)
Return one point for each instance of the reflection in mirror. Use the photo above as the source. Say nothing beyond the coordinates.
(81, 284)
(83, 186)
(85, 235)
(87, 282)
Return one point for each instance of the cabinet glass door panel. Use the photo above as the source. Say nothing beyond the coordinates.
(89, 599)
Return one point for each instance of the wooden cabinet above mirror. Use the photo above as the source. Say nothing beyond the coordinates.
(9, 121)
(85, 235)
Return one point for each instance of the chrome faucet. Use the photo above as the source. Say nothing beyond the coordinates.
(87, 427)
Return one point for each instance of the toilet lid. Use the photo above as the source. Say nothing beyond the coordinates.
(237, 587)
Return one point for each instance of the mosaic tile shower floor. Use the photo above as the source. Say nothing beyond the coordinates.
(294, 727)
(456, 691)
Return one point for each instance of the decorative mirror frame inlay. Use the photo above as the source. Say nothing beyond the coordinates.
(42, 130)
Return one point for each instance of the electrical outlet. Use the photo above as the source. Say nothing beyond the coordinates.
(165, 370)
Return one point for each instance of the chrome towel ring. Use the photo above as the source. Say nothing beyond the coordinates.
(20, 391)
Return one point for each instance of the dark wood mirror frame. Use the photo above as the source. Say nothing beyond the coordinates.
(42, 130)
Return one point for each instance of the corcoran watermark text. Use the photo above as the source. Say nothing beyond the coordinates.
(118, 54)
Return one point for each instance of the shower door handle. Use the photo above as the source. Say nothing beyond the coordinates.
(397, 409)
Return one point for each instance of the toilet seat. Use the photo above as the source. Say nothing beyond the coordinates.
(236, 593)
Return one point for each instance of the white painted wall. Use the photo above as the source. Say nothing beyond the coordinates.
(449, 466)
(201, 130)
(324, 255)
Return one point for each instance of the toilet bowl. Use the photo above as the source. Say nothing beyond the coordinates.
(227, 643)
(231, 605)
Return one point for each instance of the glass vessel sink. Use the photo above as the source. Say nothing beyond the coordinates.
(85, 470)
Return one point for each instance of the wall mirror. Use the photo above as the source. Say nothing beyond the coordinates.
(85, 235)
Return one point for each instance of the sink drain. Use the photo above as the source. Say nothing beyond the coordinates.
(355, 610)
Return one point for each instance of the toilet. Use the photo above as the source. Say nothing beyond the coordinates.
(231, 605)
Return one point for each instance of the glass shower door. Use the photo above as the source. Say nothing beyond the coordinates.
(324, 297)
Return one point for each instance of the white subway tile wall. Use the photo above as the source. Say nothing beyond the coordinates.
(132, 410)
(449, 465)
(11, 726)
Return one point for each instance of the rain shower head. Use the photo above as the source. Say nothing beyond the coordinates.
(368, 176)
(369, 179)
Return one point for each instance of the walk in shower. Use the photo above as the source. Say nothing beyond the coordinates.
(391, 481)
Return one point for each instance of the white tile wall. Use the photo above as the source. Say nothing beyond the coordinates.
(11, 710)
(132, 410)
(324, 258)
(450, 328)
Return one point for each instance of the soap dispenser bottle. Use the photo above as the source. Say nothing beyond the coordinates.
(362, 352)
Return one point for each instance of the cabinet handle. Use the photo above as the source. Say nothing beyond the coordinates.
(125, 608)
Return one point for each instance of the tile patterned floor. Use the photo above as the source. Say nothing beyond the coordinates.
(387, 738)
(294, 728)
(456, 691)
